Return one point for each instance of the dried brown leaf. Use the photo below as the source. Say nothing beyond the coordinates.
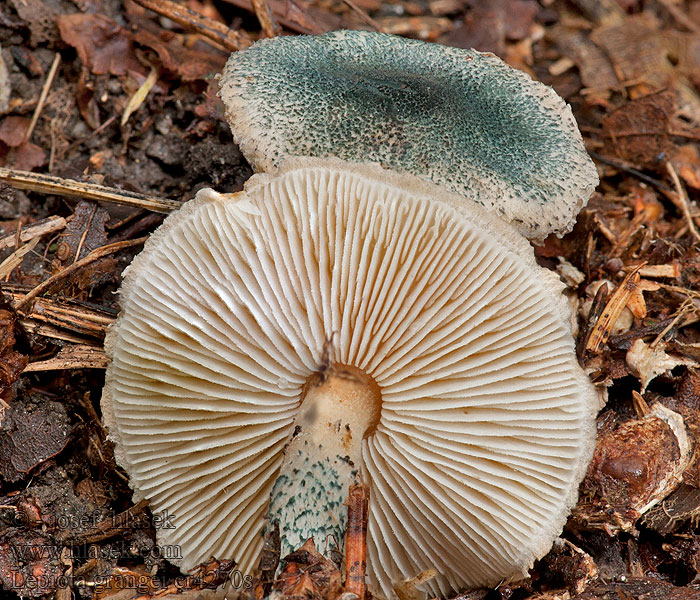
(638, 130)
(11, 362)
(85, 99)
(648, 362)
(594, 67)
(84, 233)
(309, 574)
(13, 129)
(297, 15)
(189, 63)
(483, 29)
(26, 156)
(102, 45)
(29, 437)
(637, 53)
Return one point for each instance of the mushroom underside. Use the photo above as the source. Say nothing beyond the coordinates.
(486, 421)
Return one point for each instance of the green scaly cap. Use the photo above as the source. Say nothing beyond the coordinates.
(460, 118)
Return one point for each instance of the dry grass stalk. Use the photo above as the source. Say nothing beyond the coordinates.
(406, 590)
(140, 95)
(47, 184)
(685, 307)
(680, 199)
(42, 96)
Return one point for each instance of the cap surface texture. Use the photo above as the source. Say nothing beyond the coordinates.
(460, 118)
(487, 421)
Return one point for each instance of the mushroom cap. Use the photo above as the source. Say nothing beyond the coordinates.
(487, 420)
(460, 118)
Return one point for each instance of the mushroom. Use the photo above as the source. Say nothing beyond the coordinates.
(337, 322)
(460, 118)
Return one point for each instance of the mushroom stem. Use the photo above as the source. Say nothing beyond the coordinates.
(339, 408)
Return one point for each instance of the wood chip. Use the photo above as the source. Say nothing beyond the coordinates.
(672, 270)
(561, 66)
(682, 505)
(72, 357)
(618, 301)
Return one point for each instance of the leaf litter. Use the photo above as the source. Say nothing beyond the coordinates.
(630, 71)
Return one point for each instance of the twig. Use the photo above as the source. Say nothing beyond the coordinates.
(59, 318)
(681, 201)
(406, 589)
(622, 167)
(269, 26)
(680, 290)
(109, 527)
(92, 257)
(680, 17)
(48, 184)
(29, 232)
(686, 306)
(364, 16)
(42, 97)
(92, 134)
(218, 32)
(85, 233)
(356, 542)
(618, 301)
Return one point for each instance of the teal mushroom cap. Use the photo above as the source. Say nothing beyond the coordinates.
(460, 118)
